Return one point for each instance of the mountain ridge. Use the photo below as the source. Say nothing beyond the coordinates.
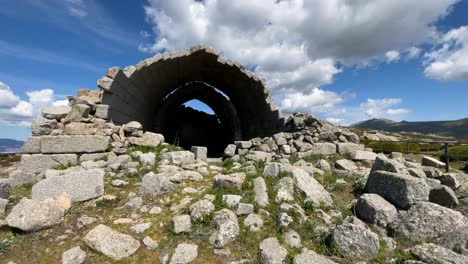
(10, 145)
(453, 128)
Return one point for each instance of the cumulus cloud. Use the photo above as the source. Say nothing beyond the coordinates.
(298, 45)
(392, 56)
(317, 101)
(21, 112)
(449, 61)
(371, 108)
(7, 97)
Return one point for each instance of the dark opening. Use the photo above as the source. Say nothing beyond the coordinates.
(195, 124)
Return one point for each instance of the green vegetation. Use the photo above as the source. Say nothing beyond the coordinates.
(461, 151)
(6, 161)
(388, 147)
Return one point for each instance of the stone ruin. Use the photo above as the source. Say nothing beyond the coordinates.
(151, 94)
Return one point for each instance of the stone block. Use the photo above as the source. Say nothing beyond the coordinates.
(36, 163)
(74, 144)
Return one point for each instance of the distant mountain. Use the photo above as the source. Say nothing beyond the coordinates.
(455, 128)
(10, 145)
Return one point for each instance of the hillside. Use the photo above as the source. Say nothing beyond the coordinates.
(455, 128)
(10, 145)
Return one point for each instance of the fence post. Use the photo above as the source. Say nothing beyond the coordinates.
(407, 147)
(447, 158)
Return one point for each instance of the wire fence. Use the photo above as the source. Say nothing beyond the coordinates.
(446, 151)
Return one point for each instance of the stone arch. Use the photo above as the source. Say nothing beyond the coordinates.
(136, 91)
(223, 108)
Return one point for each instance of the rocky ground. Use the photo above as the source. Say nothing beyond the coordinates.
(309, 195)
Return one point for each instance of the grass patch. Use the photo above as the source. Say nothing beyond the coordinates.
(7, 161)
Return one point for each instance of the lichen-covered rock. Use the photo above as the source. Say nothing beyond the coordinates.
(179, 157)
(261, 192)
(308, 256)
(400, 190)
(230, 150)
(181, 224)
(272, 169)
(271, 252)
(444, 196)
(428, 220)
(234, 180)
(307, 186)
(156, 184)
(149, 139)
(32, 215)
(253, 222)
(376, 210)
(73, 256)
(353, 239)
(200, 210)
(292, 239)
(226, 228)
(111, 243)
(456, 240)
(184, 253)
(43, 127)
(79, 185)
(431, 253)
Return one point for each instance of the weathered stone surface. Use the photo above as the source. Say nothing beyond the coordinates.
(322, 149)
(73, 256)
(149, 243)
(179, 157)
(400, 190)
(385, 164)
(226, 228)
(155, 184)
(181, 224)
(344, 164)
(271, 252)
(35, 163)
(292, 239)
(79, 185)
(243, 144)
(261, 192)
(230, 150)
(111, 243)
(201, 153)
(5, 189)
(431, 253)
(102, 111)
(201, 210)
(184, 253)
(311, 257)
(444, 196)
(259, 156)
(32, 145)
(456, 240)
(55, 112)
(184, 176)
(376, 210)
(74, 144)
(132, 126)
(363, 155)
(253, 222)
(285, 190)
(148, 158)
(149, 139)
(353, 239)
(43, 127)
(77, 113)
(244, 209)
(32, 215)
(348, 148)
(428, 220)
(231, 200)
(310, 188)
(272, 169)
(234, 180)
(429, 161)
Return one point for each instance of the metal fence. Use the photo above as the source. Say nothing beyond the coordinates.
(443, 152)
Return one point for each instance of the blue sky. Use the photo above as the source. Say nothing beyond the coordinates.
(343, 71)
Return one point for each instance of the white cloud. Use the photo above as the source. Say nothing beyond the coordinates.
(7, 98)
(375, 108)
(392, 56)
(449, 61)
(299, 46)
(76, 8)
(413, 52)
(335, 121)
(24, 111)
(317, 101)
